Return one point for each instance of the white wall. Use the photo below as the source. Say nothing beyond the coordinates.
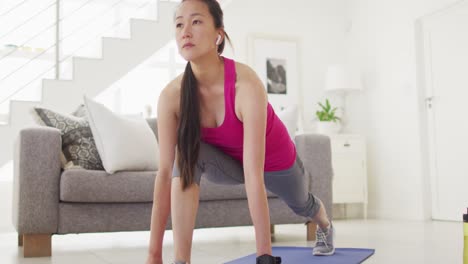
(317, 25)
(5, 207)
(382, 42)
(6, 196)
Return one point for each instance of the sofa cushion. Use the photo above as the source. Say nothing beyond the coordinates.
(124, 144)
(93, 186)
(101, 187)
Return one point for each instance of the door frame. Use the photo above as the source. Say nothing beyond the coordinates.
(427, 123)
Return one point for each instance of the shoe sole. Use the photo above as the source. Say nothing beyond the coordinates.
(324, 254)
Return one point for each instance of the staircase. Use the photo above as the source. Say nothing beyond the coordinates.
(91, 75)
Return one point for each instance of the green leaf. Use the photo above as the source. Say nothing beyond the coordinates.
(327, 113)
(321, 105)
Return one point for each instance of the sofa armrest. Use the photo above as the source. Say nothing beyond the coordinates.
(36, 180)
(315, 152)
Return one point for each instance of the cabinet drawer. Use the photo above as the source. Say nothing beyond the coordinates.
(345, 145)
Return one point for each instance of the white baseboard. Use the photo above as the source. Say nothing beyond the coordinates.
(348, 211)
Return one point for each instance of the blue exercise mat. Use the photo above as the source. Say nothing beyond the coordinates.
(303, 255)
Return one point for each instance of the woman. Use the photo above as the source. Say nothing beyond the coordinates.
(215, 119)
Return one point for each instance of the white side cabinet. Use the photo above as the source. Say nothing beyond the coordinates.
(350, 169)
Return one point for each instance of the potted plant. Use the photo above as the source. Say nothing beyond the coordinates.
(328, 120)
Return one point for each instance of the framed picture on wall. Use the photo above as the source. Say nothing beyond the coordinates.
(274, 59)
(276, 75)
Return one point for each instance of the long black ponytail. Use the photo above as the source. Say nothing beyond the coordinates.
(189, 132)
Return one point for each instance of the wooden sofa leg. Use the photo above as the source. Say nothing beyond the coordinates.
(20, 240)
(37, 245)
(272, 233)
(311, 228)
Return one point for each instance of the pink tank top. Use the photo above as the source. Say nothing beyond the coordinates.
(280, 151)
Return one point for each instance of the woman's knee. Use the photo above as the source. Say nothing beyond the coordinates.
(310, 209)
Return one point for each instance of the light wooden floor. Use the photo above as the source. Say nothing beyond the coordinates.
(395, 242)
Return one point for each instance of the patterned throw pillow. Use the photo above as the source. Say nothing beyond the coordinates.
(78, 146)
(80, 111)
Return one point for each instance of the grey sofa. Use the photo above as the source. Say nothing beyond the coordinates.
(49, 201)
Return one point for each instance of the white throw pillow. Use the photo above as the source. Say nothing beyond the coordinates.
(289, 117)
(123, 143)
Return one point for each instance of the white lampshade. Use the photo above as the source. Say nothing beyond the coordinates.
(342, 78)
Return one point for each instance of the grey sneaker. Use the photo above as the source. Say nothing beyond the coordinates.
(324, 245)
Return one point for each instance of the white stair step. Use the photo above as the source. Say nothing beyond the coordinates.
(86, 67)
(21, 113)
(7, 134)
(113, 48)
(61, 95)
(166, 11)
(163, 25)
(4, 119)
(162, 31)
(143, 26)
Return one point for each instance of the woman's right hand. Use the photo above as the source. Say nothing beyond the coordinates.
(154, 260)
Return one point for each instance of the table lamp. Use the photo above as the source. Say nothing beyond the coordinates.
(342, 79)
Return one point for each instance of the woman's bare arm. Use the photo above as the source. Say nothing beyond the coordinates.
(253, 110)
(167, 135)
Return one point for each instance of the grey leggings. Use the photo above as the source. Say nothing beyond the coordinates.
(289, 184)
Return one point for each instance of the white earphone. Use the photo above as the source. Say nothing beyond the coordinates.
(218, 40)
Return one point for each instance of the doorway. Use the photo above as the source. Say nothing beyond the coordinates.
(443, 46)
